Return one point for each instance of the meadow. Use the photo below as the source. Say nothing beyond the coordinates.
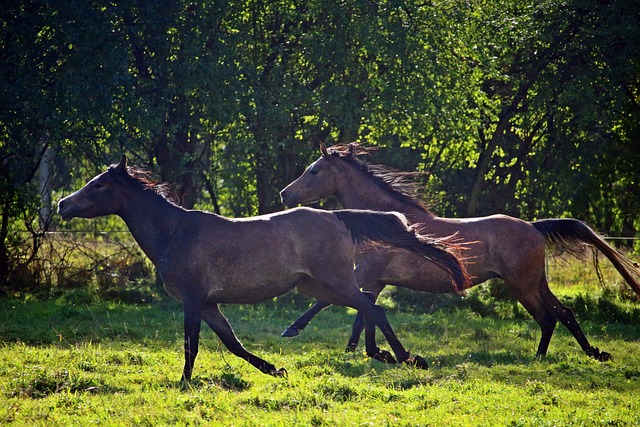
(76, 360)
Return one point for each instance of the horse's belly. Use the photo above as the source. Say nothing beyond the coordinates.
(418, 274)
(251, 290)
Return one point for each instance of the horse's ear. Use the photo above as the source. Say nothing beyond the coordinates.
(120, 167)
(123, 163)
(323, 149)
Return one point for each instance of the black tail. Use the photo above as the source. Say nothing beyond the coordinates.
(392, 229)
(571, 235)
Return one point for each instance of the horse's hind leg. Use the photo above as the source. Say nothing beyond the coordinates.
(368, 325)
(349, 295)
(302, 321)
(366, 275)
(565, 315)
(531, 301)
(547, 324)
(216, 321)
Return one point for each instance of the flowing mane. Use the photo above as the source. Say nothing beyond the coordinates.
(400, 185)
(143, 179)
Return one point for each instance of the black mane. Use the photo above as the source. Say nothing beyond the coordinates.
(143, 179)
(400, 185)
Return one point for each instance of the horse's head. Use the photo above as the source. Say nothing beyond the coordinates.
(99, 197)
(317, 182)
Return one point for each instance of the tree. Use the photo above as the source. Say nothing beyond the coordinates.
(529, 108)
(560, 92)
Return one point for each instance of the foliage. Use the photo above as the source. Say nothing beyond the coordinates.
(523, 107)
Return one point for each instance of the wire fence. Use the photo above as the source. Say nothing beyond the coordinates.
(111, 262)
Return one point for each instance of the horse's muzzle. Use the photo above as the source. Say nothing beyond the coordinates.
(66, 209)
(287, 199)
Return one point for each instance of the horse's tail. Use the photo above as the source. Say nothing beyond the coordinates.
(571, 235)
(393, 229)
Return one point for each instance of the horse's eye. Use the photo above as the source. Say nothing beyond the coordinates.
(97, 186)
(313, 172)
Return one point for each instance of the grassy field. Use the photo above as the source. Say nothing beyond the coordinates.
(73, 362)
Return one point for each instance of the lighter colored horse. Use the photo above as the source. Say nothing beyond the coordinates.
(206, 259)
(499, 246)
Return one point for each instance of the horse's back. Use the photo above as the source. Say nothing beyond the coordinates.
(499, 228)
(251, 259)
(501, 244)
(295, 231)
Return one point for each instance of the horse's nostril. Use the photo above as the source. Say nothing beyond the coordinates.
(61, 204)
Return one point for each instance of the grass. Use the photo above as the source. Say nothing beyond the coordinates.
(66, 362)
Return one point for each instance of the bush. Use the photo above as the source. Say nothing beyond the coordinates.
(94, 264)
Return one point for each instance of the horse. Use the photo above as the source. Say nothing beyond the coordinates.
(206, 259)
(499, 246)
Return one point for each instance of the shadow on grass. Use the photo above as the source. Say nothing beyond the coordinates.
(50, 322)
(227, 379)
(39, 383)
(317, 353)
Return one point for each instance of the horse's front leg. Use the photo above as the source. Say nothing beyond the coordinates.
(370, 336)
(374, 314)
(191, 338)
(220, 325)
(358, 326)
(356, 331)
(371, 345)
(302, 321)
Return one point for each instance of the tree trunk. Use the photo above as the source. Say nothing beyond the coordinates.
(483, 166)
(44, 188)
(172, 168)
(4, 255)
(485, 157)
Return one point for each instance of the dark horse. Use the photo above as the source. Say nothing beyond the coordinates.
(206, 259)
(503, 247)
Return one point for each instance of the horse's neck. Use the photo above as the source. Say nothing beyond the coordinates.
(151, 220)
(358, 192)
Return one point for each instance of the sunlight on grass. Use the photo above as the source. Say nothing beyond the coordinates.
(67, 362)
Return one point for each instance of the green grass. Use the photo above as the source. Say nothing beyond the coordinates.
(116, 364)
(73, 361)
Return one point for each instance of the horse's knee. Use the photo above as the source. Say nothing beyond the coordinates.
(371, 296)
(379, 311)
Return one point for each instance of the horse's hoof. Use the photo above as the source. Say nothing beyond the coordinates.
(601, 356)
(278, 373)
(384, 356)
(290, 332)
(605, 357)
(417, 362)
(350, 348)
